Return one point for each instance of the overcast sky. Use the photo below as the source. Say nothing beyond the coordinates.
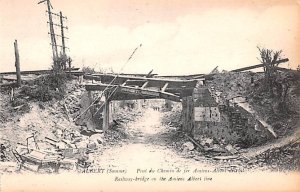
(177, 37)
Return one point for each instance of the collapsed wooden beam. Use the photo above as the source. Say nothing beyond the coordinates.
(153, 82)
(183, 92)
(135, 74)
(185, 77)
(144, 85)
(73, 70)
(135, 82)
(285, 69)
(134, 91)
(121, 96)
(210, 76)
(259, 65)
(164, 87)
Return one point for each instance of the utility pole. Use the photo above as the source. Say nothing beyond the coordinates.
(17, 63)
(60, 61)
(62, 33)
(52, 34)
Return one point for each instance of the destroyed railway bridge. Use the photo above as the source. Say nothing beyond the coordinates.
(121, 87)
(124, 87)
(141, 86)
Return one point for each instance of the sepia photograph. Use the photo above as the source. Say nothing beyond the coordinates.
(150, 95)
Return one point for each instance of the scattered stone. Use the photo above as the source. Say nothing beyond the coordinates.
(231, 149)
(208, 141)
(61, 145)
(97, 137)
(92, 145)
(189, 145)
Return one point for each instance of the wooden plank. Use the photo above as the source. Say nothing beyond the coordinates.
(138, 83)
(138, 91)
(185, 77)
(170, 96)
(135, 91)
(188, 119)
(90, 77)
(148, 92)
(100, 87)
(122, 96)
(150, 74)
(153, 82)
(134, 81)
(106, 113)
(259, 65)
(164, 87)
(74, 71)
(134, 74)
(123, 84)
(144, 85)
(195, 142)
(285, 69)
(210, 76)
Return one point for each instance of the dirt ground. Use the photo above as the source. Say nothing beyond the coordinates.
(150, 144)
(147, 146)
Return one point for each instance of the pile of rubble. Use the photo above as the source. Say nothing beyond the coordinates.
(55, 143)
(172, 118)
(230, 85)
(4, 107)
(72, 101)
(64, 149)
(44, 138)
(203, 146)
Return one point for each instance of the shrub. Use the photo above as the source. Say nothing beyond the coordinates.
(47, 87)
(88, 70)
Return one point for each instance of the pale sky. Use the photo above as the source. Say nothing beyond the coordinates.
(177, 37)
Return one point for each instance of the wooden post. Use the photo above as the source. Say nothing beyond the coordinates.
(17, 63)
(111, 112)
(90, 102)
(188, 119)
(106, 114)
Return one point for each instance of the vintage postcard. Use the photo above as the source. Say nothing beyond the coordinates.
(149, 95)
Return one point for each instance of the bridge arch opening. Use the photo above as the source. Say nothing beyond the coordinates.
(117, 89)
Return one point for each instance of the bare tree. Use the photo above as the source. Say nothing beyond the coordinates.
(269, 58)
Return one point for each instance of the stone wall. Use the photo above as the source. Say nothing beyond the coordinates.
(226, 121)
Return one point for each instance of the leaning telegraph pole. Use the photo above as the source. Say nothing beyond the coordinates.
(52, 34)
(62, 33)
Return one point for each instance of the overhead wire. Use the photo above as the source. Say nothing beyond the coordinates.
(106, 88)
